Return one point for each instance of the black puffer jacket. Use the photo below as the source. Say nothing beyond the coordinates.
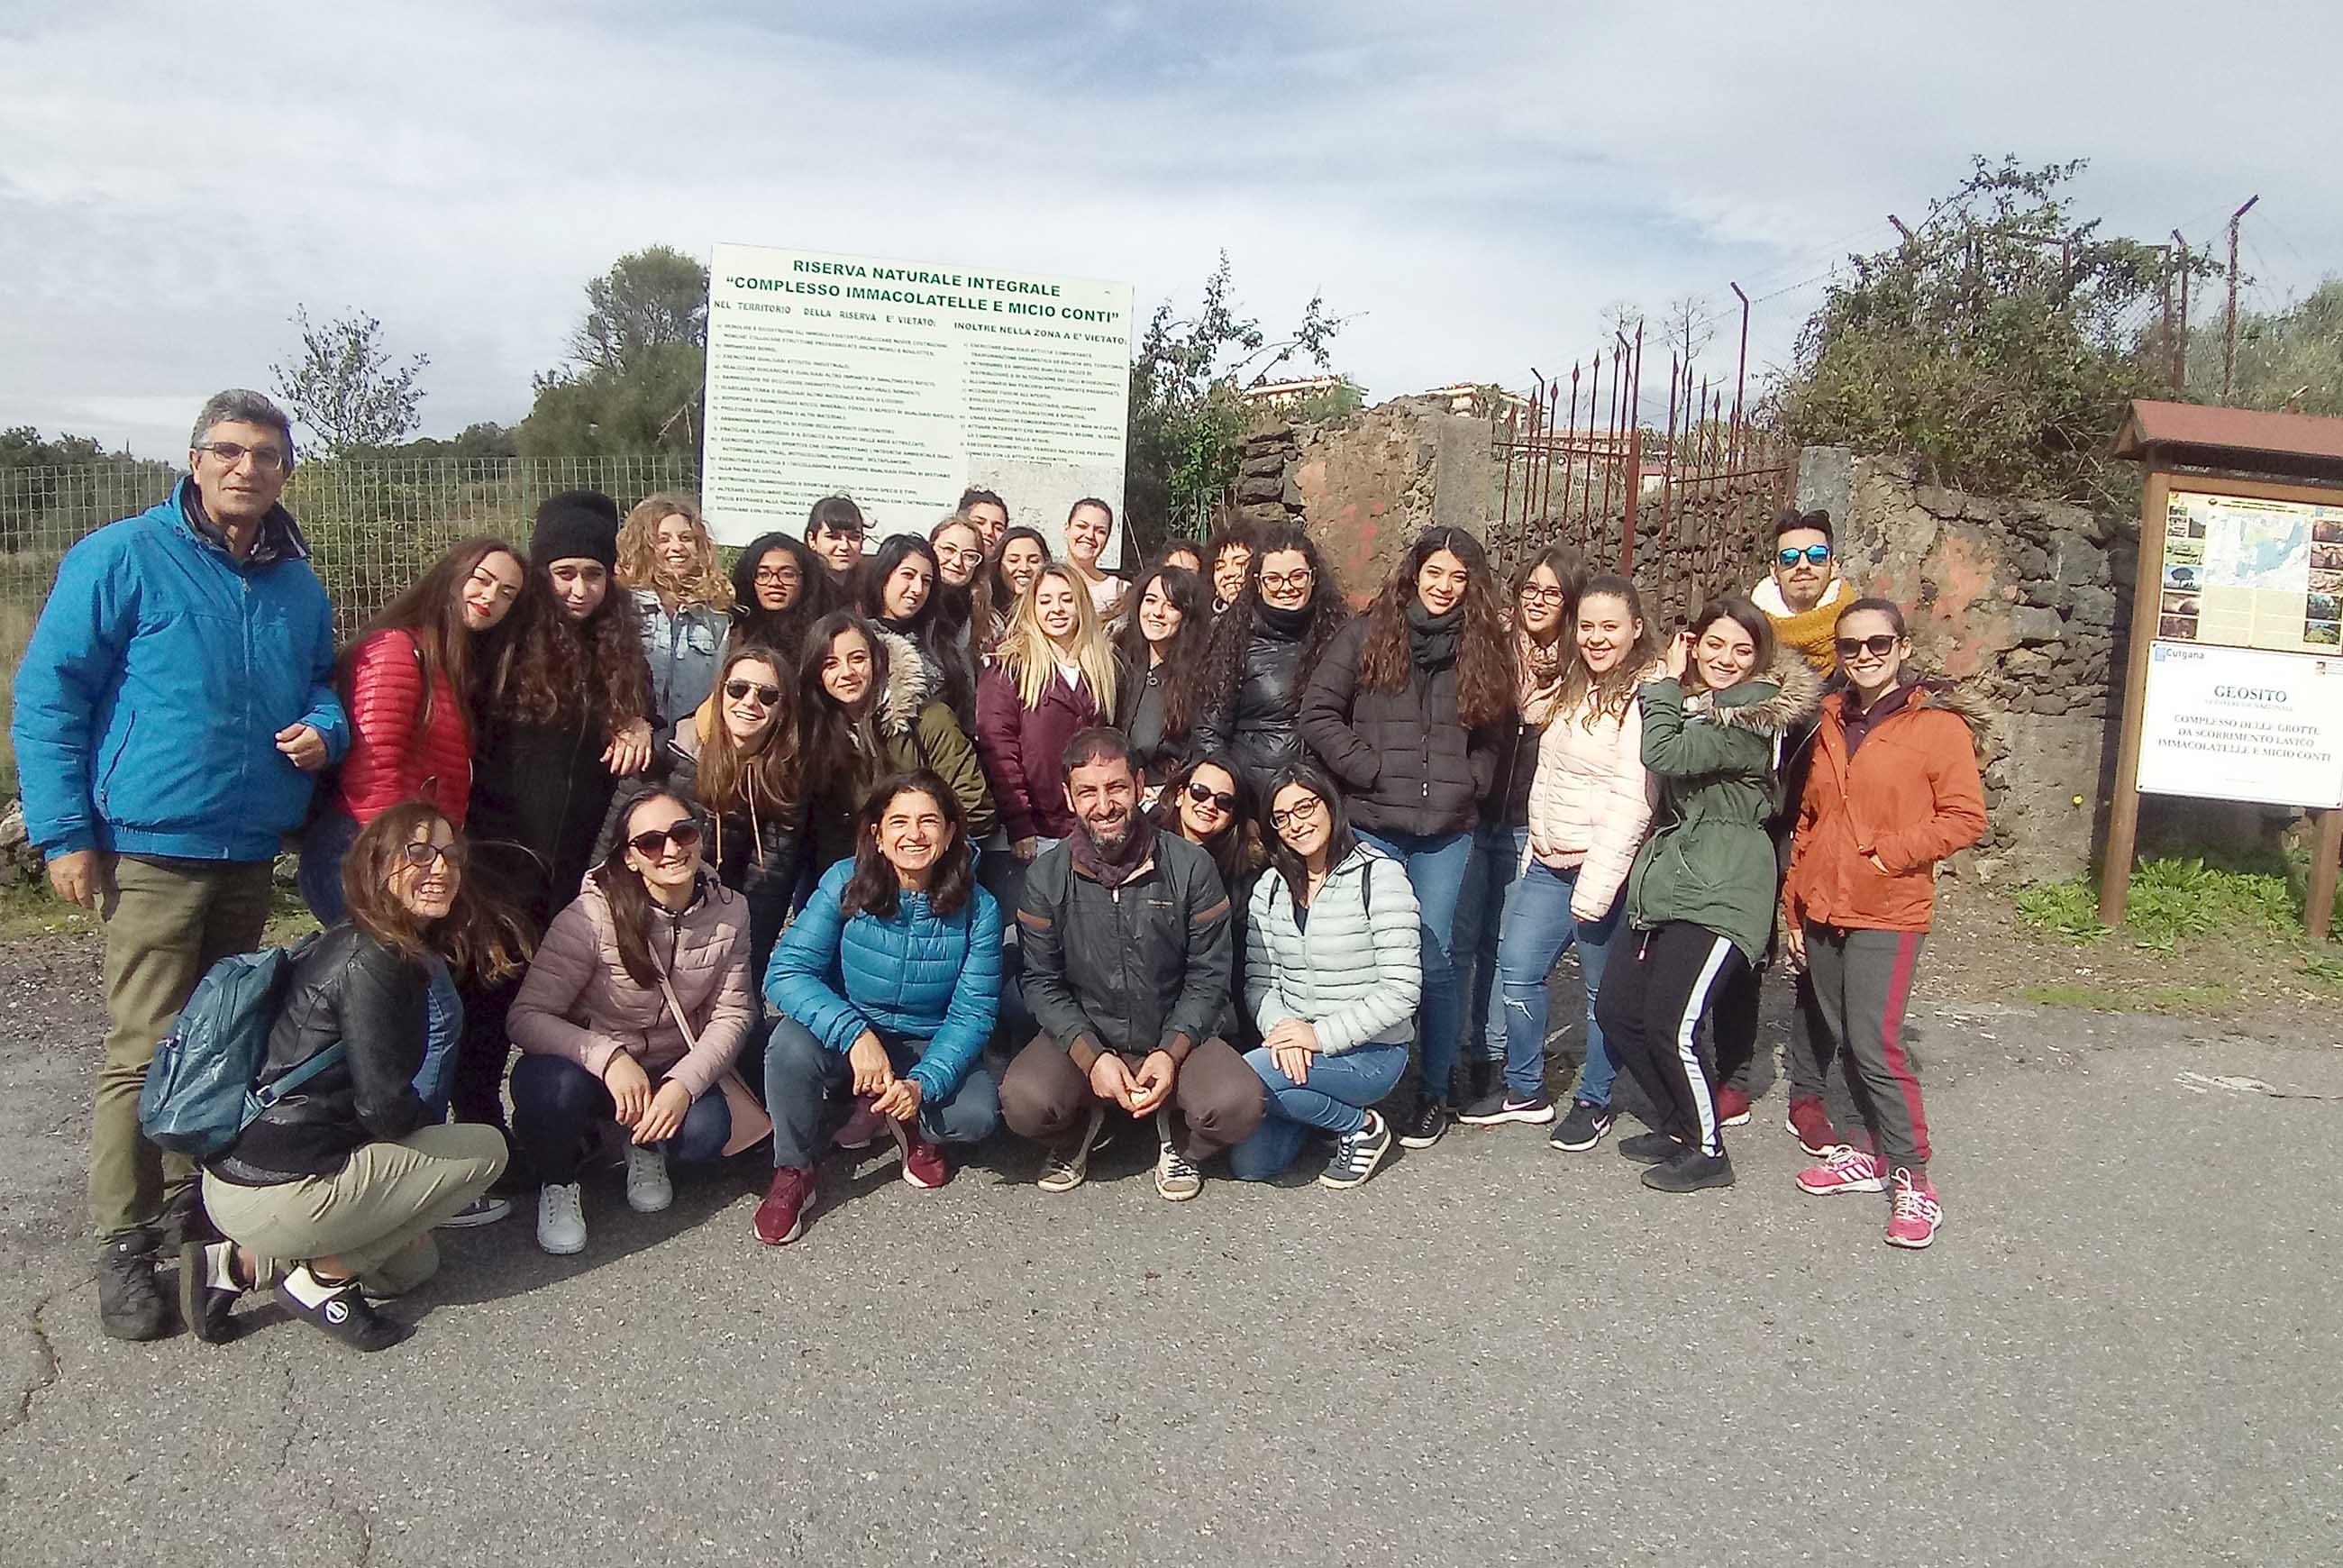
(1138, 968)
(350, 988)
(1259, 724)
(1406, 762)
(1508, 801)
(540, 794)
(1140, 696)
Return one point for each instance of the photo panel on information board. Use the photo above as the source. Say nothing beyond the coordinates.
(2251, 572)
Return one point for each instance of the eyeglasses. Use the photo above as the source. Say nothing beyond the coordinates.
(422, 854)
(778, 576)
(1815, 554)
(684, 835)
(1279, 582)
(1878, 647)
(1535, 594)
(1295, 815)
(1223, 803)
(265, 460)
(767, 695)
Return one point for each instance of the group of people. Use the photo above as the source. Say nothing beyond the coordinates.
(853, 848)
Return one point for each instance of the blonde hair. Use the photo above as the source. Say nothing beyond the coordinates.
(1027, 656)
(703, 582)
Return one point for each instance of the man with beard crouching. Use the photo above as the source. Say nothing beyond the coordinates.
(1126, 941)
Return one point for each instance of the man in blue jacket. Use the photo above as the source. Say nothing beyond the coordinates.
(176, 699)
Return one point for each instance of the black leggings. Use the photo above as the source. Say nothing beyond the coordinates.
(1655, 986)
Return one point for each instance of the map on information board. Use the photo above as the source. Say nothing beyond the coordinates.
(2243, 572)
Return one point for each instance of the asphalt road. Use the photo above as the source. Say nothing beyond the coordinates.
(2123, 1349)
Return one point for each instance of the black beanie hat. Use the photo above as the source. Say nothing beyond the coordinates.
(576, 525)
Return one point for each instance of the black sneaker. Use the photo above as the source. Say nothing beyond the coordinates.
(130, 1305)
(209, 1289)
(343, 1314)
(1425, 1124)
(1689, 1171)
(183, 1221)
(1483, 1078)
(1650, 1148)
(1583, 1128)
(1357, 1155)
(1497, 1109)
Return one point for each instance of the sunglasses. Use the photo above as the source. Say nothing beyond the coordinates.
(1815, 554)
(1219, 801)
(1878, 647)
(767, 695)
(423, 855)
(684, 835)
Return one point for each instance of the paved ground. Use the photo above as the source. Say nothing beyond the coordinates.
(2124, 1349)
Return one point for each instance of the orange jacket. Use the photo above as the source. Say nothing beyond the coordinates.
(1910, 796)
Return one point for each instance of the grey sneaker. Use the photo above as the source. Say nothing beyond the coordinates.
(1176, 1181)
(560, 1218)
(648, 1187)
(1068, 1165)
(1357, 1155)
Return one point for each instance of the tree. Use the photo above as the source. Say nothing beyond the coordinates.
(637, 380)
(2286, 359)
(345, 388)
(25, 448)
(1996, 345)
(1186, 414)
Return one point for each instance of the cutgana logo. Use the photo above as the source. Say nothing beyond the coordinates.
(2170, 653)
(337, 1311)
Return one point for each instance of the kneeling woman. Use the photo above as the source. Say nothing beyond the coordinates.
(334, 1191)
(1334, 970)
(1700, 897)
(888, 982)
(632, 1013)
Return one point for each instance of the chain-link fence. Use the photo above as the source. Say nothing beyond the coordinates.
(373, 526)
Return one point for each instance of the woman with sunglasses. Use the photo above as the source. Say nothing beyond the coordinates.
(1406, 709)
(1208, 803)
(1053, 676)
(1701, 897)
(1893, 789)
(1498, 1089)
(887, 988)
(779, 588)
(1264, 644)
(1160, 654)
(666, 559)
(632, 1013)
(333, 1193)
(1334, 970)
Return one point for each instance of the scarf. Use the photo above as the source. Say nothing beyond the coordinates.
(1542, 673)
(1432, 639)
(1810, 631)
(1285, 625)
(1113, 870)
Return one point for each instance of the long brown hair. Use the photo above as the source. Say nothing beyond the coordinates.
(873, 888)
(552, 671)
(1593, 696)
(1484, 648)
(1232, 633)
(431, 612)
(834, 743)
(629, 900)
(482, 938)
(759, 782)
(1184, 661)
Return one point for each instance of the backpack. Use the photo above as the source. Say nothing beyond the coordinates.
(200, 1093)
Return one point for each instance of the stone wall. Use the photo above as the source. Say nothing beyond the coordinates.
(2025, 600)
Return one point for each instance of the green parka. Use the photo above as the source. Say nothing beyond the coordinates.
(1713, 756)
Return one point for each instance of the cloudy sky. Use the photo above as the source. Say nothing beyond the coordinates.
(1473, 182)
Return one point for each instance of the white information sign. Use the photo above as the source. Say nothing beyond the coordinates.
(900, 384)
(2242, 724)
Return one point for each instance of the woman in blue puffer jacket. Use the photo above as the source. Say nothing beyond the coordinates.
(887, 986)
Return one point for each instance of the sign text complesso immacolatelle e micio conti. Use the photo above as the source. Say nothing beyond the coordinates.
(2242, 724)
(902, 384)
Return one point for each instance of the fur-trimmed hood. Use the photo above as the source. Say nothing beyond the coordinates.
(1964, 701)
(1768, 704)
(910, 684)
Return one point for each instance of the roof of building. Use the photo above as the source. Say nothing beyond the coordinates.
(2196, 436)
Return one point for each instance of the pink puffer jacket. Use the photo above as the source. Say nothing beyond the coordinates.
(1591, 802)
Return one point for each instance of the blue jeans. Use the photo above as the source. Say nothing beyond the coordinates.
(1481, 920)
(802, 1076)
(1436, 867)
(1538, 927)
(556, 1102)
(323, 849)
(444, 1015)
(1333, 1100)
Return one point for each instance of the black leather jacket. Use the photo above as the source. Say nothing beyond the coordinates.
(1259, 724)
(347, 986)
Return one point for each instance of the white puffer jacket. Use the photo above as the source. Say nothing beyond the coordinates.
(1591, 802)
(1353, 968)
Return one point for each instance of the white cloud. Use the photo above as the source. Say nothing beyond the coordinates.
(1477, 181)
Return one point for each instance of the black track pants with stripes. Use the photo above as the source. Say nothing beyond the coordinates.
(1655, 986)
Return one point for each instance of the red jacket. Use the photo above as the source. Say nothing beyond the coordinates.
(1873, 827)
(398, 752)
(1022, 749)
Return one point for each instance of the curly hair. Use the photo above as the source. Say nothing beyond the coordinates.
(1183, 659)
(639, 566)
(1484, 648)
(782, 630)
(874, 888)
(1232, 633)
(482, 940)
(552, 670)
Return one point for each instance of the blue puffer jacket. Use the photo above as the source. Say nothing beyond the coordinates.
(150, 696)
(914, 977)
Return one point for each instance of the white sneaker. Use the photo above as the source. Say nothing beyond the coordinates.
(649, 1190)
(560, 1218)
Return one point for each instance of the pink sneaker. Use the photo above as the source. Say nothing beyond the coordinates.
(1912, 1214)
(1732, 1108)
(1810, 1124)
(1847, 1170)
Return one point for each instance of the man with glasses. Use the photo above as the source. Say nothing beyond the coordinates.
(1128, 959)
(175, 703)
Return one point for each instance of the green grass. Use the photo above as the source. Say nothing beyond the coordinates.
(31, 910)
(2208, 998)
(2171, 898)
